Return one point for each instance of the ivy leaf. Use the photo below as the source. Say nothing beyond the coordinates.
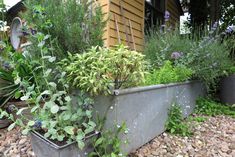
(52, 59)
(47, 72)
(11, 126)
(34, 109)
(54, 109)
(52, 84)
(31, 123)
(24, 98)
(17, 95)
(80, 135)
(113, 155)
(81, 144)
(67, 98)
(25, 131)
(21, 110)
(99, 141)
(69, 130)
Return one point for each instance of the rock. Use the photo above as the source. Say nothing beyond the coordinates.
(22, 141)
(2, 148)
(224, 148)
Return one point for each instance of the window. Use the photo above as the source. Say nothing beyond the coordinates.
(154, 13)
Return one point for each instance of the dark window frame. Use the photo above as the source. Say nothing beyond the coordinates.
(154, 13)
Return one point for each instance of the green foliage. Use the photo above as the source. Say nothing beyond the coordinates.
(108, 144)
(227, 13)
(75, 26)
(169, 74)
(8, 88)
(55, 115)
(176, 123)
(100, 69)
(202, 56)
(160, 46)
(207, 62)
(211, 108)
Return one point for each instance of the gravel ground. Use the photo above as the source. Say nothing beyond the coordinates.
(14, 144)
(213, 138)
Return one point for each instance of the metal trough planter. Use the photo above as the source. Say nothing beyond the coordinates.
(227, 90)
(42, 147)
(145, 109)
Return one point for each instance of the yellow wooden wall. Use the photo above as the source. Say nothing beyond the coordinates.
(173, 9)
(133, 10)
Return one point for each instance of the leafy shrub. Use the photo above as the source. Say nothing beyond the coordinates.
(160, 46)
(76, 25)
(175, 123)
(209, 107)
(202, 56)
(169, 74)
(210, 61)
(100, 70)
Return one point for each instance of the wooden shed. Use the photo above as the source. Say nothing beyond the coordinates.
(127, 19)
(125, 22)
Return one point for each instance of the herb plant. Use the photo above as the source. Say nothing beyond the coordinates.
(70, 23)
(169, 74)
(100, 70)
(176, 123)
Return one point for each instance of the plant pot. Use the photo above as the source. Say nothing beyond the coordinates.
(4, 123)
(145, 109)
(227, 90)
(43, 147)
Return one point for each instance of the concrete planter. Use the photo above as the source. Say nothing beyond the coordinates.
(145, 109)
(227, 90)
(42, 147)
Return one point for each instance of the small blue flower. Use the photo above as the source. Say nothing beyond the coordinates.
(230, 29)
(37, 124)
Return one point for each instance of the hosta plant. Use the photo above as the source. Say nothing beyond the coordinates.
(100, 70)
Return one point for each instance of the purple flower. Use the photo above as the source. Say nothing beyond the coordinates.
(215, 26)
(33, 31)
(176, 55)
(167, 15)
(230, 29)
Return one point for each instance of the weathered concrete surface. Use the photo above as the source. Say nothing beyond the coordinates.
(145, 109)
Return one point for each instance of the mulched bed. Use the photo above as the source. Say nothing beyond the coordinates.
(213, 138)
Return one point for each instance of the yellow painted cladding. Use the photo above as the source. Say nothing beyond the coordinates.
(124, 11)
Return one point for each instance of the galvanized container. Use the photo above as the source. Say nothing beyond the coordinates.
(227, 90)
(43, 147)
(145, 109)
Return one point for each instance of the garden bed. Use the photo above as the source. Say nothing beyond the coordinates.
(145, 109)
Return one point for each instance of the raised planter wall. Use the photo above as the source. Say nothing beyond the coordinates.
(145, 109)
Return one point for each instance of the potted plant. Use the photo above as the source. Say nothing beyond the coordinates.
(227, 84)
